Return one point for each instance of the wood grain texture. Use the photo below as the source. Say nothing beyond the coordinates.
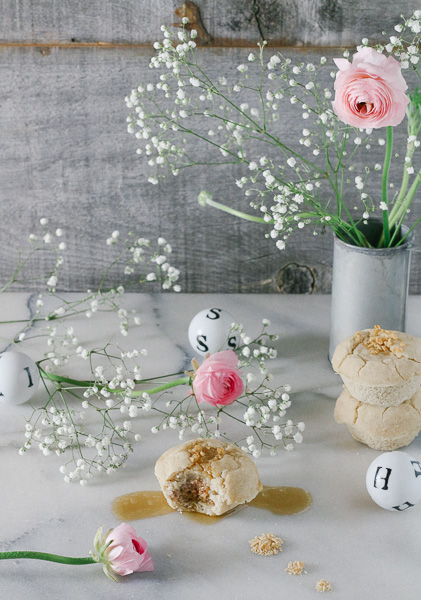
(65, 153)
(228, 22)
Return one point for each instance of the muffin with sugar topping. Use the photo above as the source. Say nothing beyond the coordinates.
(207, 476)
(379, 366)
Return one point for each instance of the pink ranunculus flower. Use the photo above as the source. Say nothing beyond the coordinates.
(217, 381)
(122, 551)
(370, 91)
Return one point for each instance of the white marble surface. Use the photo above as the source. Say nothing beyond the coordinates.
(344, 537)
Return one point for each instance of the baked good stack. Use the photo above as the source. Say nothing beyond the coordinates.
(381, 401)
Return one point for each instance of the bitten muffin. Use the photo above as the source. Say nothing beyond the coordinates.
(381, 428)
(207, 476)
(379, 367)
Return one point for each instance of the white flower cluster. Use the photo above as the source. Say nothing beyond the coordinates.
(139, 260)
(48, 238)
(138, 251)
(265, 417)
(287, 184)
(99, 435)
(405, 46)
(257, 350)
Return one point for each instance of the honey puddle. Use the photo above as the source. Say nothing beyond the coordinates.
(276, 499)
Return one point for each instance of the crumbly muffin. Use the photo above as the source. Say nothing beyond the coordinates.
(379, 367)
(207, 476)
(381, 428)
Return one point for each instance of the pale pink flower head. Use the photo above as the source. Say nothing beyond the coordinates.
(122, 551)
(370, 91)
(217, 381)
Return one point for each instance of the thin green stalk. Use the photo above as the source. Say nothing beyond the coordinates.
(80, 383)
(402, 241)
(387, 159)
(408, 199)
(165, 386)
(67, 560)
(234, 212)
(401, 195)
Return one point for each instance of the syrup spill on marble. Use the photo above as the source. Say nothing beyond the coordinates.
(281, 500)
(278, 500)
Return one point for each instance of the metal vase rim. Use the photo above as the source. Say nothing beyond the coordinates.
(407, 245)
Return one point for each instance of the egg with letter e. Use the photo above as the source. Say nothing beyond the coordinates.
(393, 481)
(19, 378)
(209, 331)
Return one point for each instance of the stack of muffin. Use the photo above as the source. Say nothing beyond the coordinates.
(381, 401)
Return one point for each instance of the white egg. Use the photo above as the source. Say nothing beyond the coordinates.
(19, 378)
(393, 481)
(209, 331)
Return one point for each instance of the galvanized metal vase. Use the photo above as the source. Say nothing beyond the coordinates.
(369, 286)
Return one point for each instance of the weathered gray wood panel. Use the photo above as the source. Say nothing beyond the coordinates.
(65, 153)
(229, 22)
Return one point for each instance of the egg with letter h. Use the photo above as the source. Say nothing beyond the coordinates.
(209, 331)
(394, 481)
(19, 378)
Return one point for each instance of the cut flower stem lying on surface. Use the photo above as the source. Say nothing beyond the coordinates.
(67, 560)
(84, 384)
(95, 421)
(212, 396)
(121, 552)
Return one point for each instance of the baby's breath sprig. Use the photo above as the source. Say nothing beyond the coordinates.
(292, 186)
(138, 262)
(258, 349)
(94, 424)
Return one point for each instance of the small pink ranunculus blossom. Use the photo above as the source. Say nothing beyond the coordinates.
(370, 91)
(217, 381)
(122, 551)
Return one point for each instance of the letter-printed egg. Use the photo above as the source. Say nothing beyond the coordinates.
(393, 481)
(19, 378)
(209, 331)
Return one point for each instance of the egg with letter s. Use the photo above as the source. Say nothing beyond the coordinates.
(393, 481)
(19, 378)
(209, 331)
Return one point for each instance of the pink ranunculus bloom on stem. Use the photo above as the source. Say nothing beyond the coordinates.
(122, 551)
(370, 91)
(217, 381)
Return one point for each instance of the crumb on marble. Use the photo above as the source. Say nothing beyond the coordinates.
(295, 568)
(323, 586)
(266, 544)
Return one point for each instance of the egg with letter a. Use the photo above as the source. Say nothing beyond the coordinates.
(19, 378)
(393, 481)
(209, 331)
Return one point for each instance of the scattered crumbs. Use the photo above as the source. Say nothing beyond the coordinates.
(295, 568)
(323, 586)
(381, 340)
(266, 544)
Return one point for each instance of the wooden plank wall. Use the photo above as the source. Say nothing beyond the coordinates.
(65, 68)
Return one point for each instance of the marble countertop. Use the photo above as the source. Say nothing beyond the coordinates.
(364, 551)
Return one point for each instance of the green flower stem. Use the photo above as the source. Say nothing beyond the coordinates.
(66, 560)
(61, 379)
(387, 159)
(86, 384)
(232, 211)
(402, 192)
(405, 204)
(165, 386)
